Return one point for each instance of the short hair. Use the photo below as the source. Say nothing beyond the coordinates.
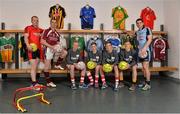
(107, 42)
(93, 43)
(127, 41)
(139, 19)
(33, 17)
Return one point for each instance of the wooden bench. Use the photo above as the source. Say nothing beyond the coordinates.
(4, 72)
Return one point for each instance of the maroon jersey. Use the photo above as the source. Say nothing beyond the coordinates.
(51, 37)
(159, 49)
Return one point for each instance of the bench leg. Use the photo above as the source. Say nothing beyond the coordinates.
(4, 76)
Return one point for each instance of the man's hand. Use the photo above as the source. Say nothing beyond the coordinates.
(29, 47)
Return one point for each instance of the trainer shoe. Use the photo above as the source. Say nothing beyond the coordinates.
(83, 86)
(104, 86)
(121, 85)
(146, 87)
(132, 88)
(51, 84)
(59, 67)
(73, 87)
(35, 88)
(90, 85)
(96, 85)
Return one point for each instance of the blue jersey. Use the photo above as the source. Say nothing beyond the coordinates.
(87, 16)
(98, 42)
(142, 37)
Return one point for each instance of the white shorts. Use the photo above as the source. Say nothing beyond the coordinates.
(49, 53)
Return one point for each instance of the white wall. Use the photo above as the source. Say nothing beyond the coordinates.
(172, 25)
(16, 13)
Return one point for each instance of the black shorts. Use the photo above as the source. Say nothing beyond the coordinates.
(35, 54)
(147, 59)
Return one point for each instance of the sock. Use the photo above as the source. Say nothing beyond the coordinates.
(116, 81)
(96, 79)
(103, 79)
(48, 79)
(59, 61)
(90, 78)
(82, 80)
(73, 81)
(148, 82)
(34, 83)
(37, 77)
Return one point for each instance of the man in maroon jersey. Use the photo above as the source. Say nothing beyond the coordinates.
(51, 39)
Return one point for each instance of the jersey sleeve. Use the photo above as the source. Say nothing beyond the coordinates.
(27, 30)
(68, 59)
(81, 13)
(149, 32)
(153, 15)
(100, 58)
(112, 15)
(94, 13)
(134, 60)
(116, 59)
(125, 13)
(63, 13)
(44, 35)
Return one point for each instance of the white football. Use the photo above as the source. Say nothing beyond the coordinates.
(81, 65)
(142, 55)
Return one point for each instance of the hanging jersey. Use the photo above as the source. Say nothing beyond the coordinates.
(131, 39)
(87, 15)
(142, 37)
(148, 16)
(23, 49)
(51, 37)
(159, 49)
(7, 45)
(119, 15)
(116, 43)
(58, 14)
(98, 42)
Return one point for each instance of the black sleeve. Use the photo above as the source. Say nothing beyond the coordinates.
(50, 11)
(134, 60)
(86, 58)
(116, 59)
(63, 13)
(69, 57)
(80, 56)
(104, 57)
(100, 58)
(121, 55)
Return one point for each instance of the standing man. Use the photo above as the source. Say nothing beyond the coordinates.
(32, 36)
(144, 38)
(50, 39)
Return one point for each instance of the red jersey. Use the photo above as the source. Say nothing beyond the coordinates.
(148, 16)
(51, 37)
(159, 49)
(34, 37)
(34, 34)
